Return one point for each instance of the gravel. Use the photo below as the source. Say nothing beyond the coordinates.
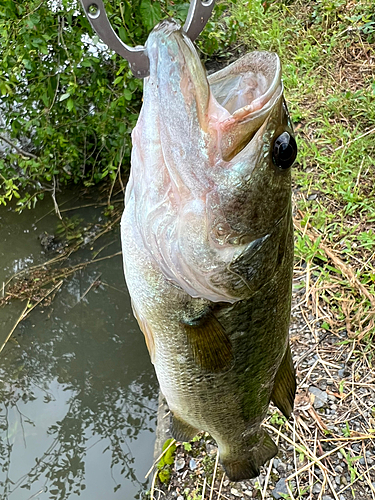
(280, 489)
(320, 397)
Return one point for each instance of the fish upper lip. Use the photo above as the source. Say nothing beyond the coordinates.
(260, 68)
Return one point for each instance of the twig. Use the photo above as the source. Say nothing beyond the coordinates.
(312, 470)
(28, 310)
(307, 286)
(31, 12)
(118, 174)
(54, 199)
(289, 490)
(52, 210)
(204, 488)
(214, 475)
(346, 270)
(355, 480)
(89, 205)
(212, 488)
(65, 272)
(361, 437)
(153, 485)
(113, 288)
(295, 452)
(15, 326)
(18, 149)
(317, 461)
(264, 491)
(56, 92)
(36, 494)
(88, 290)
(308, 453)
(220, 487)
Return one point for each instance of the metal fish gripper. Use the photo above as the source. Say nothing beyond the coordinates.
(198, 15)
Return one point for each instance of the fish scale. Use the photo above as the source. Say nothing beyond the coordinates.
(207, 240)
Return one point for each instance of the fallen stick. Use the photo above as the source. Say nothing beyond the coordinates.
(28, 310)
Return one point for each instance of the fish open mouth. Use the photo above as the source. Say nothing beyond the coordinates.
(245, 86)
(247, 90)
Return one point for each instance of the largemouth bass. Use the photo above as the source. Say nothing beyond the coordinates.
(208, 244)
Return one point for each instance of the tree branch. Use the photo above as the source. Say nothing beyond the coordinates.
(19, 150)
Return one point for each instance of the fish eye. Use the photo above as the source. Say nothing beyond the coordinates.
(284, 151)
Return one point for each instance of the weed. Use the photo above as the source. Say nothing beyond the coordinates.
(346, 431)
(351, 464)
(70, 228)
(277, 419)
(194, 495)
(208, 463)
(166, 461)
(187, 446)
(335, 124)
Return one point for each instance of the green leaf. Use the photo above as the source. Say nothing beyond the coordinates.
(44, 98)
(123, 35)
(167, 443)
(86, 63)
(27, 64)
(128, 95)
(118, 80)
(64, 96)
(70, 104)
(151, 13)
(187, 446)
(164, 475)
(3, 87)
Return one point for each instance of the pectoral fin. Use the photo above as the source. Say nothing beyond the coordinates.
(182, 431)
(147, 332)
(211, 346)
(284, 388)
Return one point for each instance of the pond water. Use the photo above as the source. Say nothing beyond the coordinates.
(78, 395)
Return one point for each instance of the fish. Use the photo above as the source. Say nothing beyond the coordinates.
(207, 240)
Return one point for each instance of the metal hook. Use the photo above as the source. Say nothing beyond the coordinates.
(137, 58)
(198, 15)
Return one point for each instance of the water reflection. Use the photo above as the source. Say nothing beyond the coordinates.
(78, 395)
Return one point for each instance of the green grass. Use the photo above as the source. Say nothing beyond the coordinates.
(328, 54)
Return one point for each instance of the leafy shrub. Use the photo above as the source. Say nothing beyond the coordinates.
(67, 107)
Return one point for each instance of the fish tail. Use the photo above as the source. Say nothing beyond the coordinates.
(247, 465)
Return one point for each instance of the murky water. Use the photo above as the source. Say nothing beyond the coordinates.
(78, 392)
